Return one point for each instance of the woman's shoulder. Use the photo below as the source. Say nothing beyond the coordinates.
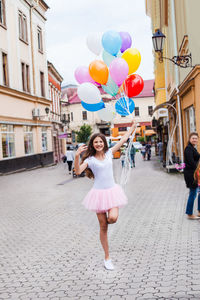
(109, 152)
(189, 147)
(89, 158)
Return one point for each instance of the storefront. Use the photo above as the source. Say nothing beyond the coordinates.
(24, 146)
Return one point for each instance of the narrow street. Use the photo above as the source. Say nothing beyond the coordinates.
(50, 246)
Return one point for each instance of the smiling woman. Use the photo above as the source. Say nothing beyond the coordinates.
(191, 160)
(106, 197)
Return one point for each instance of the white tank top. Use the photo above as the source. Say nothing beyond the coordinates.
(102, 170)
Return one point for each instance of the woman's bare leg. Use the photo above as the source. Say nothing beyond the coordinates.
(103, 233)
(113, 214)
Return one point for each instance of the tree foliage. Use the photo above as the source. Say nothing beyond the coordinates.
(84, 133)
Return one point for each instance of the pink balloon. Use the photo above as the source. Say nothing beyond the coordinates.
(82, 75)
(118, 70)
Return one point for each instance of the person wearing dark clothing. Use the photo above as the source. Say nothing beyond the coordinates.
(191, 158)
(132, 156)
(148, 150)
(69, 158)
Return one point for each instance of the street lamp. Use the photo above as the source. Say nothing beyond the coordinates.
(158, 39)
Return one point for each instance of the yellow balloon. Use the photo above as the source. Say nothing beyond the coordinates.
(133, 58)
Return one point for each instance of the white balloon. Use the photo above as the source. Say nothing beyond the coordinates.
(89, 93)
(108, 113)
(94, 42)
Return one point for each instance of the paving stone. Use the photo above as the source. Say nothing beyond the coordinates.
(50, 245)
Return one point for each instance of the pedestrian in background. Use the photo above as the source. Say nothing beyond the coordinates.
(143, 151)
(132, 155)
(191, 157)
(123, 155)
(106, 196)
(69, 158)
(148, 150)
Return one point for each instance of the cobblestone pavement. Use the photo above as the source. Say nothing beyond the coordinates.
(50, 249)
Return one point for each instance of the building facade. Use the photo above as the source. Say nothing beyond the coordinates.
(144, 106)
(25, 129)
(181, 89)
(77, 115)
(59, 143)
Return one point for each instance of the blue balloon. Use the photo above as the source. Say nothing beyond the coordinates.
(112, 42)
(124, 106)
(93, 107)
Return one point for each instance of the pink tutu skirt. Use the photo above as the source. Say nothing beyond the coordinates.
(101, 200)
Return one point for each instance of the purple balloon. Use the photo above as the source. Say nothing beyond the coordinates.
(118, 70)
(126, 41)
(82, 75)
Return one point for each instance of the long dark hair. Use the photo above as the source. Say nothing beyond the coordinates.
(91, 151)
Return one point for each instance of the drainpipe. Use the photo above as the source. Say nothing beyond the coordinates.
(32, 50)
(177, 78)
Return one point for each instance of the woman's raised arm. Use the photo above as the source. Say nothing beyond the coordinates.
(79, 168)
(124, 138)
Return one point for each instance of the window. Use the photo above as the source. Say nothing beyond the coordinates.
(73, 137)
(8, 140)
(190, 120)
(44, 139)
(84, 114)
(68, 117)
(150, 110)
(5, 69)
(2, 13)
(39, 37)
(25, 78)
(123, 116)
(72, 116)
(137, 112)
(28, 139)
(42, 84)
(122, 128)
(23, 34)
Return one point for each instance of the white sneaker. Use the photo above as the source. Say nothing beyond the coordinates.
(108, 264)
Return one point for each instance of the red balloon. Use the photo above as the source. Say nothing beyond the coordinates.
(133, 85)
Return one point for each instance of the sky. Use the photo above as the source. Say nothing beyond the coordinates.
(69, 22)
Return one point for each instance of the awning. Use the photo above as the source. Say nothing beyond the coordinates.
(149, 132)
(116, 138)
(138, 130)
(63, 135)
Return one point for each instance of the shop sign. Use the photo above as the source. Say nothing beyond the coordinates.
(162, 113)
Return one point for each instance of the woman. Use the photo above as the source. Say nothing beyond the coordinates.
(69, 158)
(191, 157)
(106, 196)
(143, 151)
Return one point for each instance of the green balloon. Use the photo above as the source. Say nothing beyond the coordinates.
(111, 87)
(108, 58)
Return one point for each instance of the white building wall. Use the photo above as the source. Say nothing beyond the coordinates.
(40, 59)
(93, 118)
(16, 108)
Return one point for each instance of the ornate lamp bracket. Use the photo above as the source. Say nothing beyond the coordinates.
(183, 61)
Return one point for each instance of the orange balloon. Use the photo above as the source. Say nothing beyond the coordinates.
(99, 71)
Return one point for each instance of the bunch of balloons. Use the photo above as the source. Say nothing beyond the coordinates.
(114, 73)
